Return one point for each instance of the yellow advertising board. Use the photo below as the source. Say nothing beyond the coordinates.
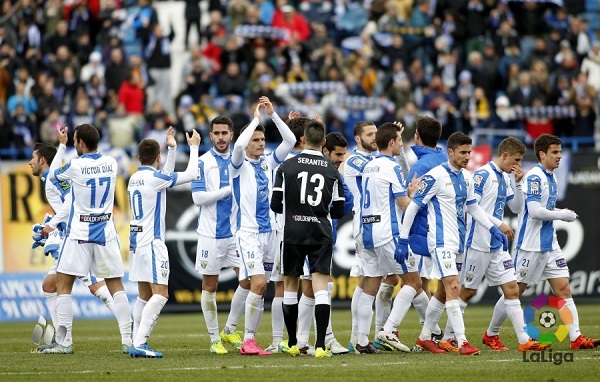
(24, 204)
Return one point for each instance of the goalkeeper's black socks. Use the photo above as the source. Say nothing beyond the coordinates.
(322, 312)
(290, 317)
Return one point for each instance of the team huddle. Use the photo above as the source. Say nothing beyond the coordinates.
(271, 217)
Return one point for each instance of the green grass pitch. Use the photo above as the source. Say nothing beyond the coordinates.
(183, 340)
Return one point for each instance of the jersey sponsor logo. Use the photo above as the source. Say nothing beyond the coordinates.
(535, 188)
(90, 242)
(371, 219)
(304, 218)
(95, 218)
(358, 162)
(561, 263)
(508, 264)
(477, 179)
(136, 228)
(422, 187)
(268, 267)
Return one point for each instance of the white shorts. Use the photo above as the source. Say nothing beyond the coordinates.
(497, 267)
(214, 254)
(257, 253)
(425, 265)
(533, 267)
(444, 263)
(150, 263)
(87, 280)
(380, 262)
(79, 258)
(357, 268)
(276, 275)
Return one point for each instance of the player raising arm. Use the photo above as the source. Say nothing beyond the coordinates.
(149, 259)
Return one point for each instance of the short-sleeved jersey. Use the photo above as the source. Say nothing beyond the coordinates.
(58, 194)
(252, 186)
(148, 201)
(93, 177)
(493, 190)
(532, 234)
(353, 177)
(382, 183)
(310, 183)
(217, 220)
(446, 191)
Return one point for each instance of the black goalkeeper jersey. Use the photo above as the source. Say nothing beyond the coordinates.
(311, 189)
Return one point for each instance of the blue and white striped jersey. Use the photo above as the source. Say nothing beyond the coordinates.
(493, 191)
(446, 191)
(382, 183)
(217, 219)
(93, 177)
(353, 169)
(532, 234)
(58, 195)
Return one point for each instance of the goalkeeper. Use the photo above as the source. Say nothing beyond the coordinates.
(59, 197)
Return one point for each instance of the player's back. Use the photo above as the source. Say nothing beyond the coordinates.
(382, 182)
(492, 187)
(533, 234)
(311, 183)
(93, 177)
(216, 220)
(147, 198)
(353, 177)
(57, 192)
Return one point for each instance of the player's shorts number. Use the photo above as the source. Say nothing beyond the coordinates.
(318, 181)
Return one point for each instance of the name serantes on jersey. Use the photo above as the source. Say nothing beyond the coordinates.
(314, 162)
(96, 169)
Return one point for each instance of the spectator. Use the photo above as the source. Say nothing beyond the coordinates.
(28, 103)
(93, 67)
(158, 58)
(116, 71)
(536, 125)
(132, 95)
(526, 92)
(591, 66)
(24, 129)
(97, 92)
(192, 17)
(287, 18)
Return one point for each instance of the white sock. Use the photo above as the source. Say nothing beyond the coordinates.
(329, 332)
(238, 306)
(124, 317)
(456, 318)
(515, 314)
(208, 303)
(498, 317)
(51, 305)
(401, 306)
(449, 332)
(383, 305)
(149, 318)
(261, 311)
(365, 317)
(354, 310)
(306, 312)
(64, 315)
(104, 294)
(138, 308)
(277, 321)
(252, 318)
(434, 311)
(574, 331)
(421, 301)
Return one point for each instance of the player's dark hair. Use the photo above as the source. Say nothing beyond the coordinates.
(333, 140)
(359, 126)
(148, 150)
(512, 146)
(221, 120)
(89, 135)
(314, 133)
(297, 126)
(429, 129)
(543, 142)
(260, 128)
(45, 150)
(458, 139)
(385, 133)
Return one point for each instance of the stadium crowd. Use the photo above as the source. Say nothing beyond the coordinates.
(528, 67)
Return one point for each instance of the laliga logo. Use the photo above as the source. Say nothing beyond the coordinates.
(547, 319)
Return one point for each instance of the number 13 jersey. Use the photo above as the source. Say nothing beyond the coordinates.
(309, 183)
